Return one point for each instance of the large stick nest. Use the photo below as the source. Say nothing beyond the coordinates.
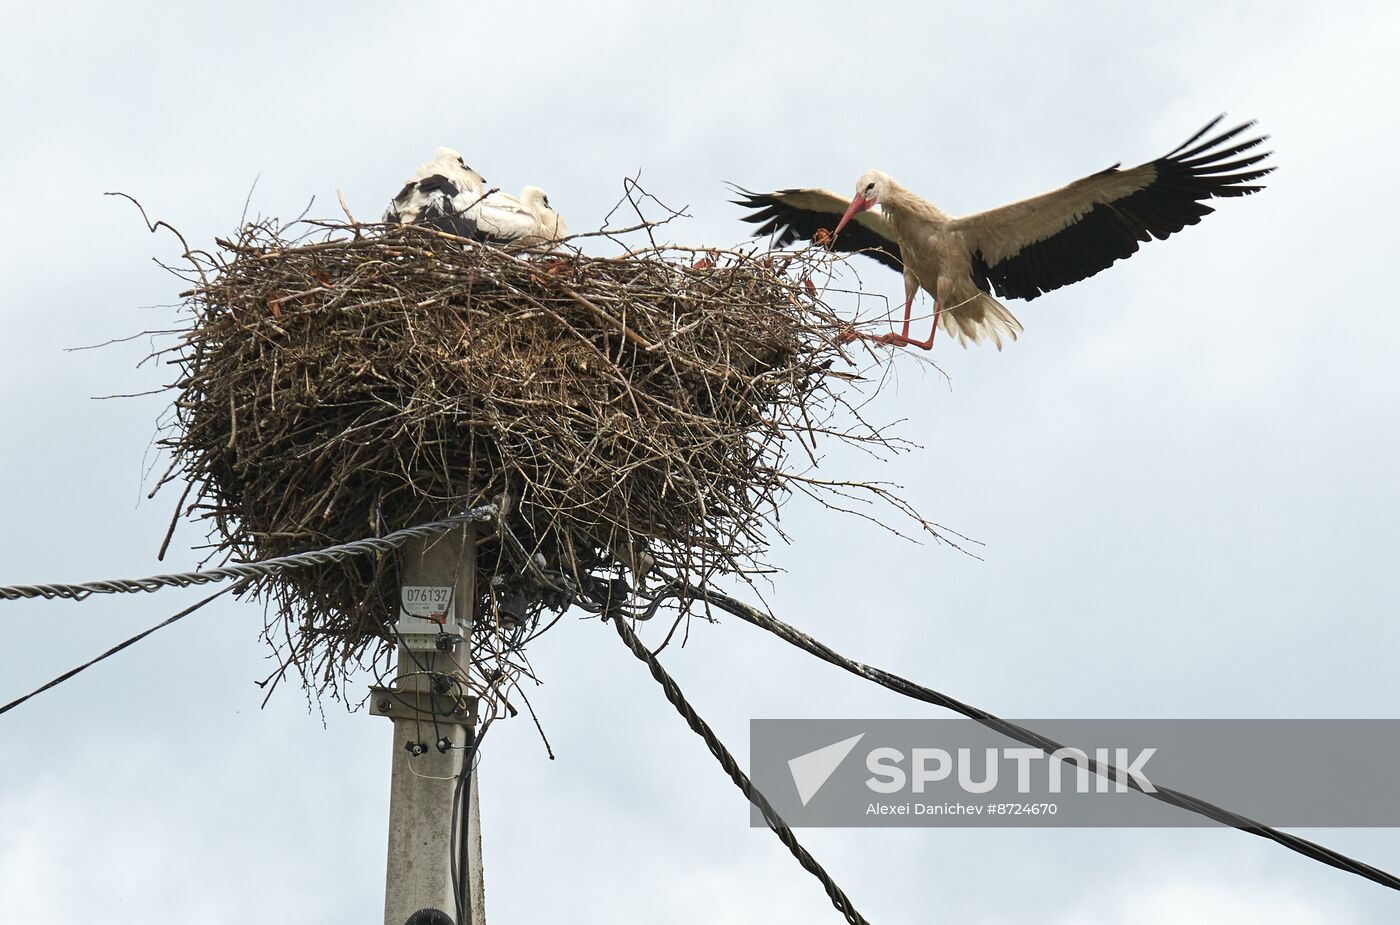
(653, 409)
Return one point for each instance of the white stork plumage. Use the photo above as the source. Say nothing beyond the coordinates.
(440, 194)
(527, 220)
(445, 193)
(1019, 251)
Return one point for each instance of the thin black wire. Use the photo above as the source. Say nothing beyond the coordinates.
(249, 571)
(461, 815)
(119, 647)
(796, 637)
(461, 812)
(731, 767)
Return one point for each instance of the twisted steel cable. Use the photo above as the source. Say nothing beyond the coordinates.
(117, 648)
(899, 685)
(731, 767)
(249, 570)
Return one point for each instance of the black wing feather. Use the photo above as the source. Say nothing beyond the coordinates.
(786, 223)
(1111, 231)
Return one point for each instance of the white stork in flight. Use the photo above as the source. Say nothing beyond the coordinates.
(447, 194)
(1021, 250)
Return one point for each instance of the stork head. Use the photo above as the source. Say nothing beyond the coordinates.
(451, 160)
(870, 190)
(537, 201)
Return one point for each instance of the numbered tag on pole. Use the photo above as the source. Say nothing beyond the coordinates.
(424, 608)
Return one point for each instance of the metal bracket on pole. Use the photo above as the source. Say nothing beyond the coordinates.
(424, 706)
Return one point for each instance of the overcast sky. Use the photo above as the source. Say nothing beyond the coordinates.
(1183, 473)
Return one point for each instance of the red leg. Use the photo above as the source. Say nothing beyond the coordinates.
(899, 340)
(927, 344)
(908, 308)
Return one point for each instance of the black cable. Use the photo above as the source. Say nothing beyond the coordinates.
(119, 647)
(731, 767)
(462, 807)
(796, 637)
(461, 812)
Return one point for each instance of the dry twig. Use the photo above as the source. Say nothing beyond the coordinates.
(634, 409)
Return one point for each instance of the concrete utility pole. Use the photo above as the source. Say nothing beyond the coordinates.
(431, 726)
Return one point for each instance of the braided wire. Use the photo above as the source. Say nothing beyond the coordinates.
(250, 570)
(70, 673)
(894, 682)
(731, 767)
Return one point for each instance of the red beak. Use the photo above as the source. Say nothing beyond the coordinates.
(858, 204)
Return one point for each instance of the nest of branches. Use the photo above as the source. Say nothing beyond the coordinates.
(634, 417)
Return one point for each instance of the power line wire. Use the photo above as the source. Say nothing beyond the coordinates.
(801, 640)
(249, 572)
(265, 569)
(731, 767)
(461, 820)
(119, 647)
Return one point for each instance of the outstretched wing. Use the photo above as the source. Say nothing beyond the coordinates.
(792, 214)
(1031, 247)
